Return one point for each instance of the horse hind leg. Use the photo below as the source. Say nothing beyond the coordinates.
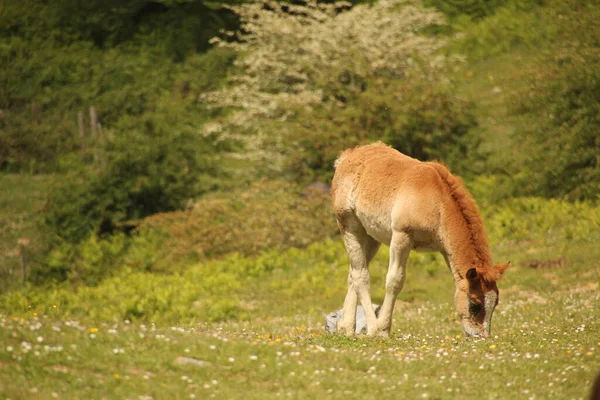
(400, 247)
(361, 249)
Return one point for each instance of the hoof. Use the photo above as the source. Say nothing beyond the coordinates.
(379, 331)
(345, 329)
(383, 334)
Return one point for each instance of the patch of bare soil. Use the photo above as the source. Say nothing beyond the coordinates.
(546, 264)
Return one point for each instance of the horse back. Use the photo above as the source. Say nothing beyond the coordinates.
(387, 191)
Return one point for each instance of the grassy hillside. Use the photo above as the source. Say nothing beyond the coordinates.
(270, 341)
(533, 74)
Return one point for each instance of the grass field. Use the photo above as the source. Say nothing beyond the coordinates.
(545, 344)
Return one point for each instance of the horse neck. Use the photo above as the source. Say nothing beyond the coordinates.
(464, 241)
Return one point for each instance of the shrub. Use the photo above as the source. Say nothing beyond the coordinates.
(564, 97)
(566, 162)
(96, 258)
(547, 221)
(267, 215)
(419, 118)
(125, 61)
(532, 25)
(476, 9)
(206, 292)
(40, 99)
(215, 290)
(143, 175)
(297, 57)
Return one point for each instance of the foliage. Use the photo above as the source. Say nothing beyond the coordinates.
(110, 23)
(514, 27)
(550, 221)
(418, 118)
(533, 25)
(85, 263)
(21, 199)
(295, 58)
(134, 284)
(566, 162)
(271, 215)
(143, 174)
(563, 94)
(97, 258)
(123, 60)
(305, 82)
(266, 215)
(478, 9)
(199, 293)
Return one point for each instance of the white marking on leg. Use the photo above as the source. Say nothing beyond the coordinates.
(489, 304)
(399, 250)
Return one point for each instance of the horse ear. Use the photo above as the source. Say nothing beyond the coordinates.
(502, 267)
(472, 274)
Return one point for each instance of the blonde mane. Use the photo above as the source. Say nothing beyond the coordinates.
(467, 207)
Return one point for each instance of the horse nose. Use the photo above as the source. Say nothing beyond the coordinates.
(482, 334)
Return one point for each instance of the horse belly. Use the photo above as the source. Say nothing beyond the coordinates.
(425, 242)
(378, 227)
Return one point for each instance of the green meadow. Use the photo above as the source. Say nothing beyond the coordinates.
(253, 327)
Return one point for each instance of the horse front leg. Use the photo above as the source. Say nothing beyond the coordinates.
(400, 247)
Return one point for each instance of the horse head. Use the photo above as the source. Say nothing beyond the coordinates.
(476, 298)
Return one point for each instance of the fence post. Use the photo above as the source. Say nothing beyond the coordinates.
(93, 122)
(23, 243)
(80, 122)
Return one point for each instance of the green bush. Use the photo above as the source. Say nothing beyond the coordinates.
(136, 296)
(210, 291)
(42, 94)
(266, 215)
(422, 119)
(476, 9)
(86, 263)
(532, 25)
(566, 160)
(562, 96)
(125, 61)
(143, 174)
(225, 289)
(96, 258)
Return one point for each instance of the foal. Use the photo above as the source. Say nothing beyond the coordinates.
(382, 196)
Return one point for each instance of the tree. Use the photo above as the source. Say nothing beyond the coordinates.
(314, 67)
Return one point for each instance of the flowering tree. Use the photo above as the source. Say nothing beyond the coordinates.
(293, 57)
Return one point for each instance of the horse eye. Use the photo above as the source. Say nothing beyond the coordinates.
(475, 308)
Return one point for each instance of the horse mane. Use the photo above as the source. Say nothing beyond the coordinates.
(469, 210)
